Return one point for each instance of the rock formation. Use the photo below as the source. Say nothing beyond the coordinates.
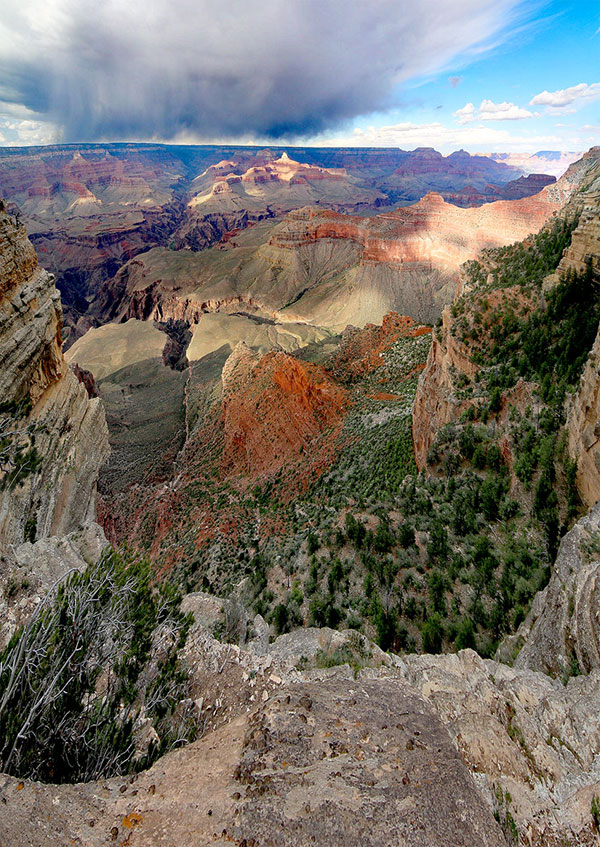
(90, 208)
(436, 749)
(584, 429)
(584, 412)
(439, 401)
(69, 429)
(333, 762)
(322, 267)
(561, 634)
(274, 408)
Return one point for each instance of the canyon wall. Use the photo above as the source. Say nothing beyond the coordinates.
(583, 426)
(437, 402)
(89, 208)
(322, 267)
(450, 362)
(45, 408)
(584, 413)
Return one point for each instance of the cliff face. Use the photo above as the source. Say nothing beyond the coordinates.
(431, 232)
(561, 634)
(451, 362)
(583, 426)
(584, 412)
(30, 319)
(437, 402)
(69, 430)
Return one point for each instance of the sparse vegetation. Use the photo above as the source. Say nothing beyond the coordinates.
(97, 659)
(19, 456)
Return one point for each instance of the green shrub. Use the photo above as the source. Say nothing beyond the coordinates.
(100, 652)
(432, 634)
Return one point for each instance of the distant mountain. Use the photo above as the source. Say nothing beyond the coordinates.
(554, 162)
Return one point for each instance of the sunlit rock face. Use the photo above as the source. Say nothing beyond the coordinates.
(89, 208)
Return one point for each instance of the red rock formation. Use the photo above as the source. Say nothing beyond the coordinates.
(271, 422)
(275, 407)
(430, 232)
(360, 349)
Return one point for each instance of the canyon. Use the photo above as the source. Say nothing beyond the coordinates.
(324, 268)
(267, 402)
(90, 208)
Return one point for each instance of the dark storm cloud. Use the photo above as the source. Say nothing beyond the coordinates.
(229, 69)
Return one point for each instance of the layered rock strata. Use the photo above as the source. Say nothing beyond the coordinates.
(583, 426)
(47, 401)
(324, 268)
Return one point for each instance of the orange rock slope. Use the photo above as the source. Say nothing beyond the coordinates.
(274, 408)
(270, 422)
(273, 420)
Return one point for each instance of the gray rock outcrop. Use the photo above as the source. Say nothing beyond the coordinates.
(561, 634)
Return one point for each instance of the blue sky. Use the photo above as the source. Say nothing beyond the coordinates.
(485, 75)
(555, 48)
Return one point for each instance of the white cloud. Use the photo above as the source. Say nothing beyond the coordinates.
(490, 111)
(466, 114)
(20, 127)
(576, 94)
(448, 138)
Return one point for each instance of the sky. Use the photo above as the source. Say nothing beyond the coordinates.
(483, 75)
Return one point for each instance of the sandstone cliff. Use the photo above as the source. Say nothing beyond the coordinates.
(43, 398)
(437, 401)
(584, 429)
